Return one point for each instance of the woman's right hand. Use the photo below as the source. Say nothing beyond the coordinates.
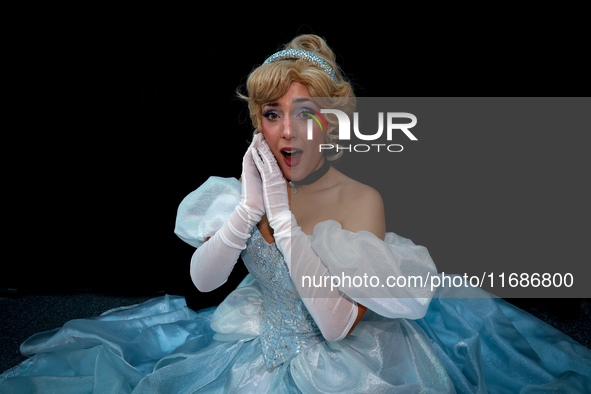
(213, 261)
(251, 199)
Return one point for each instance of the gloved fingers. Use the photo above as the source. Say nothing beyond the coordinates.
(260, 163)
(265, 160)
(247, 159)
(256, 140)
(252, 187)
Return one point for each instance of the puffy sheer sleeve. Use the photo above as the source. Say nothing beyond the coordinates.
(390, 277)
(203, 212)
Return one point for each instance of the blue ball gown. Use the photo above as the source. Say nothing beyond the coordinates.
(262, 339)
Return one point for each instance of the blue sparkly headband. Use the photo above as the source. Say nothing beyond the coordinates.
(301, 54)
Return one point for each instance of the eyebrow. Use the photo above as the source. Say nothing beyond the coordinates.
(297, 100)
(301, 100)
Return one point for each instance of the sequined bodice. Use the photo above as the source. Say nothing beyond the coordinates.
(287, 326)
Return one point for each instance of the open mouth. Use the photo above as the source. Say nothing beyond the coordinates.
(292, 156)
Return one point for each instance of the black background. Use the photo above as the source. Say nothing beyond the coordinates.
(119, 119)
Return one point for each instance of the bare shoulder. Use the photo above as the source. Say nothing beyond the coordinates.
(363, 196)
(363, 208)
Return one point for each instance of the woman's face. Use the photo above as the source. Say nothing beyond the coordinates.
(285, 127)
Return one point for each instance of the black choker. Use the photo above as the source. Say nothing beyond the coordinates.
(312, 177)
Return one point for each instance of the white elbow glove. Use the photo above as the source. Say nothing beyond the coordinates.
(333, 311)
(213, 262)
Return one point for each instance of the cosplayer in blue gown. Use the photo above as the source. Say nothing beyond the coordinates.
(262, 338)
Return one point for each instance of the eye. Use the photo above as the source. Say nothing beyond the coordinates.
(306, 113)
(270, 115)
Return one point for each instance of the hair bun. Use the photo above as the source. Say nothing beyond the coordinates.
(312, 43)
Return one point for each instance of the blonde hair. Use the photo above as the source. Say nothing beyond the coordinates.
(269, 82)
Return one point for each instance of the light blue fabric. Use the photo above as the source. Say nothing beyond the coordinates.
(204, 210)
(262, 339)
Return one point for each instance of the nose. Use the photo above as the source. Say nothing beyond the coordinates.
(287, 132)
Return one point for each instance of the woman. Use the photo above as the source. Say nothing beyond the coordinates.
(293, 217)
